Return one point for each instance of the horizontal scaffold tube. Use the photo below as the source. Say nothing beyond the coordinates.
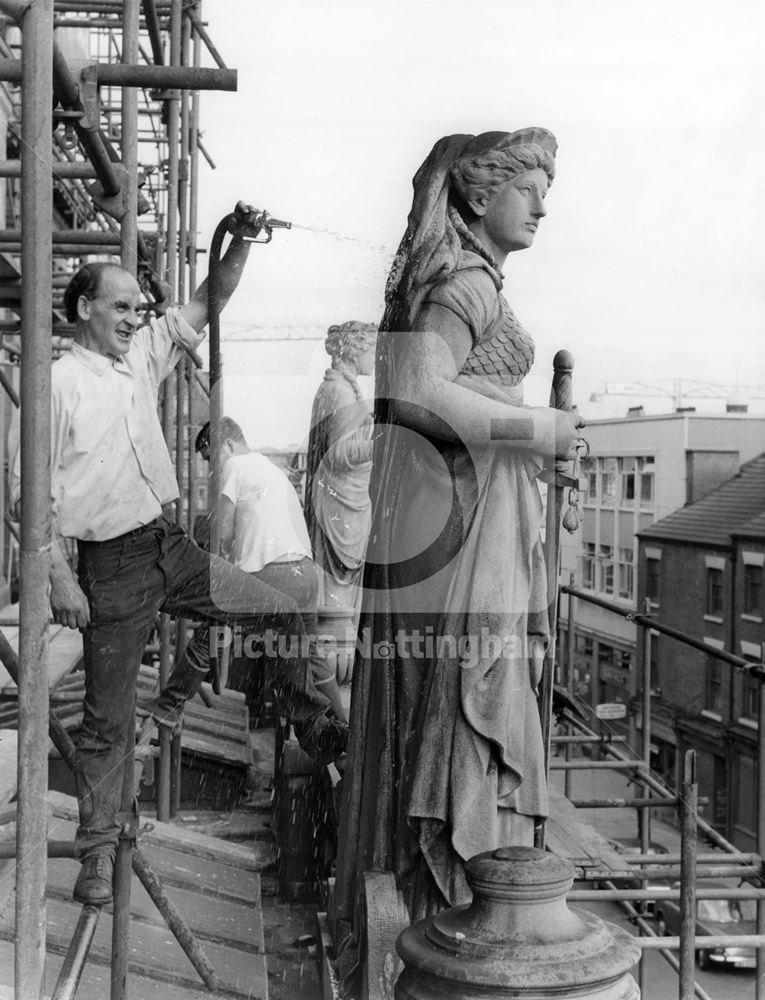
(154, 77)
(65, 169)
(87, 237)
(648, 621)
(101, 6)
(69, 249)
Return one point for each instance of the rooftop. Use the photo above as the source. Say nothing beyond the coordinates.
(736, 507)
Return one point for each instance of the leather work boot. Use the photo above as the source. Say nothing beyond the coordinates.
(94, 883)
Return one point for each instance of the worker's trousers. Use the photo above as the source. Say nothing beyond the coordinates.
(127, 581)
(263, 653)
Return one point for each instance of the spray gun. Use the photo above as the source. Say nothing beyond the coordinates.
(262, 222)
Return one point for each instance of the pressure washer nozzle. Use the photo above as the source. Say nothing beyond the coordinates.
(270, 223)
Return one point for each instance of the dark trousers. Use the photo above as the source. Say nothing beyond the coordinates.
(297, 580)
(127, 581)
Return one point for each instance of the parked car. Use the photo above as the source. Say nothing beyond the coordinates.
(714, 917)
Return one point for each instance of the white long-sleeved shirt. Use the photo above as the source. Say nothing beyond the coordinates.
(110, 468)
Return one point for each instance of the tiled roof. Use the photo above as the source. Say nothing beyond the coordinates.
(715, 517)
(752, 529)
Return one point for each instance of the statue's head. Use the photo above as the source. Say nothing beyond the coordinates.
(352, 342)
(489, 160)
(457, 188)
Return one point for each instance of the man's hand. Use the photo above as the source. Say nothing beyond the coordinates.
(246, 221)
(67, 601)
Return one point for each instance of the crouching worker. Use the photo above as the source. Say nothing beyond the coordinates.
(263, 532)
(111, 480)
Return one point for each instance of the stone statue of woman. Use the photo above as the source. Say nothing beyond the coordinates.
(337, 504)
(446, 757)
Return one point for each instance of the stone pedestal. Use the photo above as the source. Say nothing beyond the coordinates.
(517, 939)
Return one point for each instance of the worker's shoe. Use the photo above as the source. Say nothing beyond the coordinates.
(169, 718)
(326, 741)
(94, 883)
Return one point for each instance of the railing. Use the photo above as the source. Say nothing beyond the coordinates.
(692, 864)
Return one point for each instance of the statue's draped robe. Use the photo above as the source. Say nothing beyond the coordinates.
(446, 757)
(337, 504)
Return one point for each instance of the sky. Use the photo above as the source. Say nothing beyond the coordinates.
(649, 265)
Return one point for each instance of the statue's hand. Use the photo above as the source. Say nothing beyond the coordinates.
(555, 433)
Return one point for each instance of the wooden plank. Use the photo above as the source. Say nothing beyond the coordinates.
(166, 835)
(232, 754)
(154, 952)
(222, 920)
(233, 825)
(227, 701)
(220, 899)
(567, 836)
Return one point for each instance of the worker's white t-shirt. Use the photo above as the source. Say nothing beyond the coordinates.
(268, 523)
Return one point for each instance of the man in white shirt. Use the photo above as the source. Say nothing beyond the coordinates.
(263, 532)
(111, 480)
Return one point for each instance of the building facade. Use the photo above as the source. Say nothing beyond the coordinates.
(700, 571)
(640, 469)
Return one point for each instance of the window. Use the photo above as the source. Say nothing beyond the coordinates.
(714, 592)
(751, 699)
(590, 475)
(647, 466)
(627, 497)
(714, 685)
(607, 481)
(606, 655)
(653, 679)
(588, 566)
(652, 579)
(607, 569)
(752, 590)
(626, 574)
(750, 688)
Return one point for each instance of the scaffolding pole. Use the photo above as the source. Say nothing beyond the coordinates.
(171, 432)
(760, 979)
(34, 609)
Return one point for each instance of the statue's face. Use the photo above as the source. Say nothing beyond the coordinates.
(514, 211)
(365, 363)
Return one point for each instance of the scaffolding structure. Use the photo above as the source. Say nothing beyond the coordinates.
(102, 104)
(112, 168)
(690, 867)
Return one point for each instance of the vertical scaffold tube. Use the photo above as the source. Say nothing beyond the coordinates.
(171, 433)
(36, 301)
(129, 258)
(760, 980)
(688, 846)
